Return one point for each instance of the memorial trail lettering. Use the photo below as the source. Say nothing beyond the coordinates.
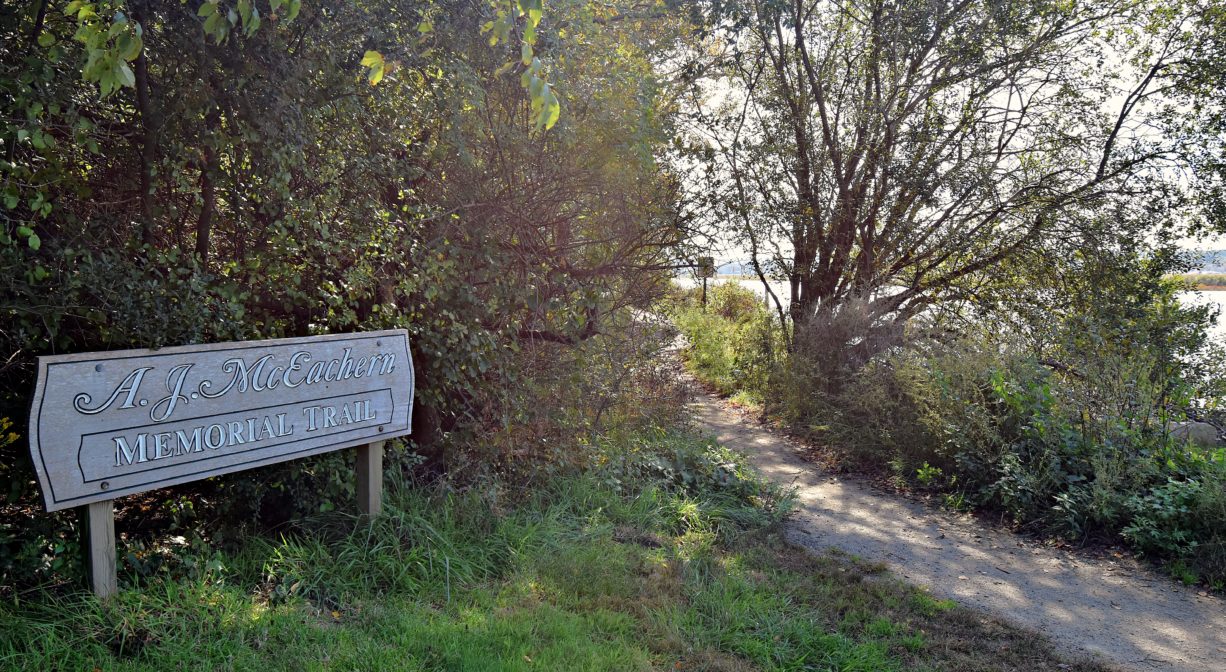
(109, 424)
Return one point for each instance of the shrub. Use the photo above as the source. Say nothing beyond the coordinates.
(734, 343)
(1184, 517)
(1014, 435)
(1062, 427)
(259, 189)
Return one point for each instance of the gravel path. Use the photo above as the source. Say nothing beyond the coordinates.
(1132, 618)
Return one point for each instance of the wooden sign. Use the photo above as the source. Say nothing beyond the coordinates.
(116, 423)
(107, 424)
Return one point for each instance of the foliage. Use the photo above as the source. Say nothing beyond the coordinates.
(1054, 408)
(731, 343)
(977, 244)
(241, 178)
(1073, 438)
(880, 157)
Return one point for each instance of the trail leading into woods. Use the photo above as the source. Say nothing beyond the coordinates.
(1133, 618)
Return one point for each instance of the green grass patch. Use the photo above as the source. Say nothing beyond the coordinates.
(1211, 280)
(665, 555)
(733, 343)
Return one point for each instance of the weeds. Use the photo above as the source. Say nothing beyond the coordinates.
(663, 554)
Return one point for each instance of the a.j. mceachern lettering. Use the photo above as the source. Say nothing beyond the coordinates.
(108, 424)
(240, 376)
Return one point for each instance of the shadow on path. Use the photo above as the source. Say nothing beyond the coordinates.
(1133, 618)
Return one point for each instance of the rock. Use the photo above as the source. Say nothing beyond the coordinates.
(1199, 433)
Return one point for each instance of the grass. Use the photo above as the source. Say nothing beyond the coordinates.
(733, 342)
(666, 555)
(1209, 281)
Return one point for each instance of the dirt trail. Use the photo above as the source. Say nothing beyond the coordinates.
(1131, 617)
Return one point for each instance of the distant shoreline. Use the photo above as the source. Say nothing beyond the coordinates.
(1204, 282)
(1191, 278)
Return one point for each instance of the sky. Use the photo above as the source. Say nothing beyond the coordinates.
(722, 92)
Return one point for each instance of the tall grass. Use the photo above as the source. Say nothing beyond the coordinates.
(734, 342)
(661, 555)
(433, 548)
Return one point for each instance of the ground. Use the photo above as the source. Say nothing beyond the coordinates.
(1130, 617)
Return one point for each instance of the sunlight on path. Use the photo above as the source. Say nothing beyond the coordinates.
(1132, 618)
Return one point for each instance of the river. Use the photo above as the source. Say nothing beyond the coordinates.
(1217, 299)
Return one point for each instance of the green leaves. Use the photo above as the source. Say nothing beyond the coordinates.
(546, 108)
(211, 17)
(32, 238)
(124, 75)
(375, 66)
(533, 11)
(250, 15)
(110, 44)
(220, 21)
(129, 45)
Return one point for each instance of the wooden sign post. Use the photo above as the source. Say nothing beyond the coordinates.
(370, 478)
(706, 269)
(109, 424)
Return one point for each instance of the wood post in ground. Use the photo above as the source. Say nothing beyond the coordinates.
(370, 478)
(100, 520)
(100, 547)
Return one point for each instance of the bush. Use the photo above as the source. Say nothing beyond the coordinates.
(1008, 434)
(260, 188)
(734, 343)
(1062, 427)
(1183, 517)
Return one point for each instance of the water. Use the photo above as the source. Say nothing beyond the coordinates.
(1217, 333)
(1196, 298)
(752, 284)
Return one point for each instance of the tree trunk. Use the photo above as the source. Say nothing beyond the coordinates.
(149, 143)
(208, 192)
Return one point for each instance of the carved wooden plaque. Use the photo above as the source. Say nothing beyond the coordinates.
(108, 424)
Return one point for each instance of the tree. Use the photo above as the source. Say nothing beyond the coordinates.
(216, 179)
(879, 154)
(240, 176)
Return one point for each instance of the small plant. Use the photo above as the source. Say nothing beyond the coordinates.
(1068, 513)
(1180, 571)
(929, 476)
(957, 501)
(1161, 519)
